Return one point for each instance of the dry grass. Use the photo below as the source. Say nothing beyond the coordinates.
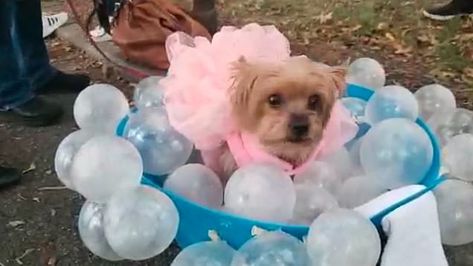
(392, 31)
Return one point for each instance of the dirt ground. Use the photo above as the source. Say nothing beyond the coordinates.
(37, 217)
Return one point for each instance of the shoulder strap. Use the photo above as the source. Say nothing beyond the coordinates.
(129, 71)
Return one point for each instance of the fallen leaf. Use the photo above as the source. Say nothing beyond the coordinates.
(53, 212)
(382, 26)
(31, 168)
(324, 18)
(390, 36)
(15, 223)
(36, 199)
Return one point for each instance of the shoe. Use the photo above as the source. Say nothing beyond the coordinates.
(9, 176)
(63, 83)
(52, 23)
(34, 113)
(449, 11)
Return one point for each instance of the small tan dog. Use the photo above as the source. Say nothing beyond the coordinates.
(286, 106)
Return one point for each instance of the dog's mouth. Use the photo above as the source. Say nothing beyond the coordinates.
(298, 140)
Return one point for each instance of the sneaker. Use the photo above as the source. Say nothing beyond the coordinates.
(65, 83)
(98, 34)
(9, 176)
(449, 11)
(34, 113)
(53, 22)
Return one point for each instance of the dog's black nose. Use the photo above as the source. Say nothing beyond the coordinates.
(299, 125)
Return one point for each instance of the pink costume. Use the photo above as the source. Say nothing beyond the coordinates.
(197, 95)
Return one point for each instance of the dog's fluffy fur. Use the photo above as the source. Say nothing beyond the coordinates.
(287, 106)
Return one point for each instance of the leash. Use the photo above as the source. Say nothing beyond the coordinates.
(135, 73)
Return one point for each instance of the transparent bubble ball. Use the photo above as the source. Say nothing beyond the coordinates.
(311, 202)
(457, 156)
(208, 253)
(391, 102)
(455, 207)
(140, 223)
(148, 93)
(99, 108)
(433, 99)
(105, 164)
(448, 125)
(396, 151)
(343, 238)
(358, 190)
(91, 231)
(162, 148)
(272, 249)
(342, 162)
(65, 153)
(366, 72)
(260, 191)
(319, 174)
(355, 105)
(197, 183)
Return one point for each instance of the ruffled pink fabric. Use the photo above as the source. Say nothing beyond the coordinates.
(199, 78)
(197, 95)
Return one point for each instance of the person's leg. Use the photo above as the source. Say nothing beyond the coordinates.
(44, 78)
(15, 88)
(449, 10)
(17, 100)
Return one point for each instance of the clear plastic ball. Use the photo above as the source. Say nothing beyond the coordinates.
(208, 253)
(92, 233)
(366, 72)
(260, 191)
(355, 105)
(448, 125)
(343, 238)
(391, 102)
(272, 249)
(342, 163)
(310, 203)
(162, 148)
(358, 190)
(434, 99)
(99, 108)
(140, 223)
(396, 151)
(197, 183)
(319, 174)
(148, 93)
(455, 207)
(458, 157)
(105, 164)
(65, 153)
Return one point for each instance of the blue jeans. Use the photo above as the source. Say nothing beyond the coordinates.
(24, 60)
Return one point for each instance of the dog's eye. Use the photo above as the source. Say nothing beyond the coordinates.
(275, 100)
(313, 103)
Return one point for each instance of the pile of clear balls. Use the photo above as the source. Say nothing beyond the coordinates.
(123, 219)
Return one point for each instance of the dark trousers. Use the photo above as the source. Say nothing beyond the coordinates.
(24, 61)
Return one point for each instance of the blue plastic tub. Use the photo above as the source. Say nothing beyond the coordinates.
(196, 221)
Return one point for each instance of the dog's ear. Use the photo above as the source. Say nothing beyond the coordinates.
(245, 76)
(338, 74)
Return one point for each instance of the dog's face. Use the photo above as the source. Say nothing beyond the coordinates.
(286, 105)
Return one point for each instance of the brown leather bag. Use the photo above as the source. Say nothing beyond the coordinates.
(142, 26)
